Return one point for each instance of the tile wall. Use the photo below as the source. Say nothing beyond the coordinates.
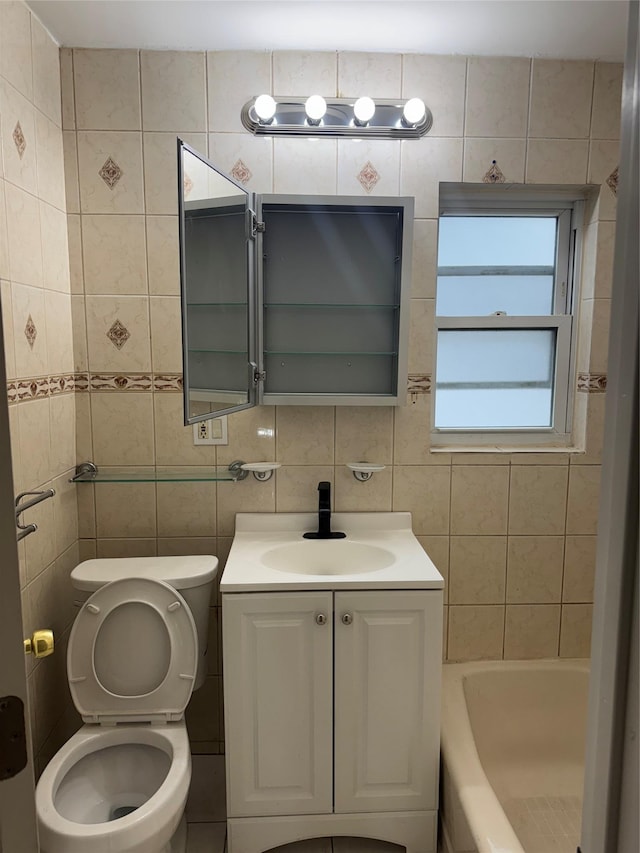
(513, 534)
(36, 311)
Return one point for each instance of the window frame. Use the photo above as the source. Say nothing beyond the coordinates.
(568, 207)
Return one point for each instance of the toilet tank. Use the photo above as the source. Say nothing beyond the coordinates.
(192, 576)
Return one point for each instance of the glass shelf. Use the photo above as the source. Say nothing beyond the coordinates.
(220, 351)
(385, 306)
(350, 353)
(160, 474)
(217, 305)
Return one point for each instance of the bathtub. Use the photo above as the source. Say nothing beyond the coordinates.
(513, 737)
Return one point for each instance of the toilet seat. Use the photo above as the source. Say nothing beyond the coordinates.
(132, 653)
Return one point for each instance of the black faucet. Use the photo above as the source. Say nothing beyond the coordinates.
(324, 515)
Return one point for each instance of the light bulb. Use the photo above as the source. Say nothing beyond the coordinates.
(363, 110)
(265, 108)
(414, 111)
(315, 107)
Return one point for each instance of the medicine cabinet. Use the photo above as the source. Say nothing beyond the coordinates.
(289, 299)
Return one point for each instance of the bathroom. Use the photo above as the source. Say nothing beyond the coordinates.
(90, 288)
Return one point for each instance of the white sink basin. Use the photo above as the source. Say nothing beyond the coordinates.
(328, 557)
(380, 551)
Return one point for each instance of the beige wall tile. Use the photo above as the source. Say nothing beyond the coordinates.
(607, 96)
(122, 426)
(55, 248)
(437, 548)
(248, 496)
(40, 551)
(599, 350)
(125, 150)
(174, 440)
(126, 510)
(163, 255)
(226, 150)
(351, 495)
(7, 330)
(422, 335)
(173, 90)
(497, 97)
(72, 183)
(604, 157)
(68, 89)
(534, 569)
(479, 499)
(440, 82)
(114, 253)
(31, 359)
(86, 511)
(303, 73)
(575, 632)
(252, 436)
(477, 569)
(166, 334)
(479, 154)
(50, 162)
(43, 601)
(424, 164)
(531, 631)
(118, 548)
(378, 75)
(561, 98)
(305, 163)
(364, 434)
(233, 78)
(46, 72)
(582, 505)
(186, 509)
(132, 312)
(87, 549)
(19, 163)
(579, 569)
(305, 435)
(297, 487)
(161, 169)
(202, 712)
(65, 512)
(16, 455)
(79, 326)
(62, 412)
(74, 239)
(25, 248)
(606, 234)
(537, 501)
(354, 157)
(557, 161)
(425, 492)
(412, 439)
(475, 632)
(181, 547)
(596, 404)
(84, 437)
(425, 258)
(5, 271)
(107, 89)
(65, 591)
(15, 46)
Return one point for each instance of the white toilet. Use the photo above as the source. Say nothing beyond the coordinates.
(137, 649)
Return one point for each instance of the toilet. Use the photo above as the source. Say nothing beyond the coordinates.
(137, 650)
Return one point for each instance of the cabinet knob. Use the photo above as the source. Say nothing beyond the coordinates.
(347, 619)
(321, 619)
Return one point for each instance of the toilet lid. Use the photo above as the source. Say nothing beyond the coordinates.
(132, 653)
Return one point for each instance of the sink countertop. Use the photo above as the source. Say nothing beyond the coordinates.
(257, 534)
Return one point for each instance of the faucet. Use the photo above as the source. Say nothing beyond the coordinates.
(324, 515)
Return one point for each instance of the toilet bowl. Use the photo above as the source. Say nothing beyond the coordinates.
(119, 785)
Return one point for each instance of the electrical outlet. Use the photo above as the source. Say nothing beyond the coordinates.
(212, 431)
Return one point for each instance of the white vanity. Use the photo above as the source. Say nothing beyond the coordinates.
(332, 664)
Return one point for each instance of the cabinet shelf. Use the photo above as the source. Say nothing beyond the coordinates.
(350, 353)
(159, 474)
(351, 305)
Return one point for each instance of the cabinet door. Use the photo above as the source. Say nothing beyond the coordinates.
(278, 696)
(387, 700)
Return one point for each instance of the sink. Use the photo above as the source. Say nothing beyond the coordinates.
(327, 557)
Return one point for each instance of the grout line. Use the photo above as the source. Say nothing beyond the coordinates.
(528, 128)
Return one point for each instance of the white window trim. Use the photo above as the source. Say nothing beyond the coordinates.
(568, 206)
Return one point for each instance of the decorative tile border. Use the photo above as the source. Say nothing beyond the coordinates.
(419, 383)
(39, 387)
(592, 383)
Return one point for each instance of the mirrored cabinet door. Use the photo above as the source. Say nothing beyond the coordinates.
(217, 310)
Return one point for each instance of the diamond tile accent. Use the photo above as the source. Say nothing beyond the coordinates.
(493, 175)
(368, 176)
(187, 185)
(110, 173)
(241, 172)
(30, 331)
(118, 334)
(592, 383)
(20, 141)
(612, 181)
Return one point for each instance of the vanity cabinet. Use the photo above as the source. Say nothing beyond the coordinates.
(290, 299)
(332, 706)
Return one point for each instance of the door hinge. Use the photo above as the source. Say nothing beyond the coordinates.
(13, 738)
(257, 227)
(259, 376)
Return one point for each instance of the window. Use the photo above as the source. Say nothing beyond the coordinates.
(504, 302)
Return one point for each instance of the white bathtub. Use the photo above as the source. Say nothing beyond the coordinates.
(513, 735)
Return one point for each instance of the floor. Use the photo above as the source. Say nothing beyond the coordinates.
(206, 818)
(546, 824)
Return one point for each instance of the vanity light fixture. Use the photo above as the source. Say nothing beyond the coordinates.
(382, 118)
